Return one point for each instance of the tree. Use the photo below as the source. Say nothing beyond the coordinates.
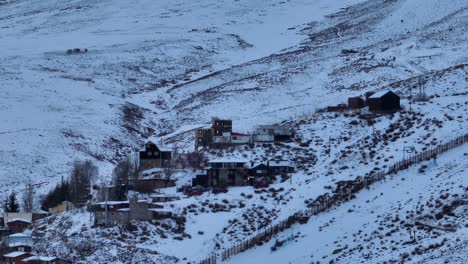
(195, 159)
(82, 173)
(28, 198)
(56, 196)
(127, 169)
(11, 204)
(168, 171)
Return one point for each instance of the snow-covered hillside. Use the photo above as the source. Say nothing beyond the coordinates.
(159, 69)
(185, 62)
(57, 107)
(412, 216)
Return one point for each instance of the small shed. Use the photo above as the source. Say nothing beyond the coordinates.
(160, 213)
(238, 138)
(19, 242)
(15, 257)
(39, 214)
(18, 224)
(356, 102)
(44, 260)
(281, 166)
(62, 207)
(384, 101)
(201, 178)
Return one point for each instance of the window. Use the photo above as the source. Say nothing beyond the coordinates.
(199, 139)
(199, 132)
(149, 153)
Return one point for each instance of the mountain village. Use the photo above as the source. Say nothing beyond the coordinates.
(246, 131)
(138, 192)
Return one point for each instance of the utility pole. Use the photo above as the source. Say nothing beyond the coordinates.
(410, 97)
(106, 212)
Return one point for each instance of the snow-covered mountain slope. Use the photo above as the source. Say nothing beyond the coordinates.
(185, 62)
(162, 68)
(412, 217)
(57, 107)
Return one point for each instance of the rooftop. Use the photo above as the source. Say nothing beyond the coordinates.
(19, 235)
(280, 163)
(14, 254)
(379, 94)
(39, 258)
(228, 160)
(158, 210)
(161, 148)
(112, 202)
(18, 219)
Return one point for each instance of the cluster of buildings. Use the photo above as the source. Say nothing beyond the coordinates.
(238, 172)
(155, 159)
(15, 246)
(220, 134)
(122, 212)
(380, 102)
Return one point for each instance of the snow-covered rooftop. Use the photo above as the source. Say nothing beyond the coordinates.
(39, 258)
(19, 235)
(160, 210)
(112, 202)
(379, 94)
(18, 219)
(14, 254)
(280, 163)
(228, 160)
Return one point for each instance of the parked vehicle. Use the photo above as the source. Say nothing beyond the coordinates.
(195, 191)
(260, 185)
(217, 190)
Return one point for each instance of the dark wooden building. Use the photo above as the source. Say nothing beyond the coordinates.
(265, 172)
(149, 185)
(154, 157)
(280, 166)
(260, 173)
(356, 102)
(18, 224)
(384, 101)
(220, 126)
(202, 137)
(227, 172)
(219, 129)
(201, 179)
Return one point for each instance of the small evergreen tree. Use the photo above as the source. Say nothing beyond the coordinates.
(56, 196)
(11, 204)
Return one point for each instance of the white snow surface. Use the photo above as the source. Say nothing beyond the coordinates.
(354, 224)
(178, 63)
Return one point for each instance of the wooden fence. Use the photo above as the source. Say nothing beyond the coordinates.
(344, 191)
